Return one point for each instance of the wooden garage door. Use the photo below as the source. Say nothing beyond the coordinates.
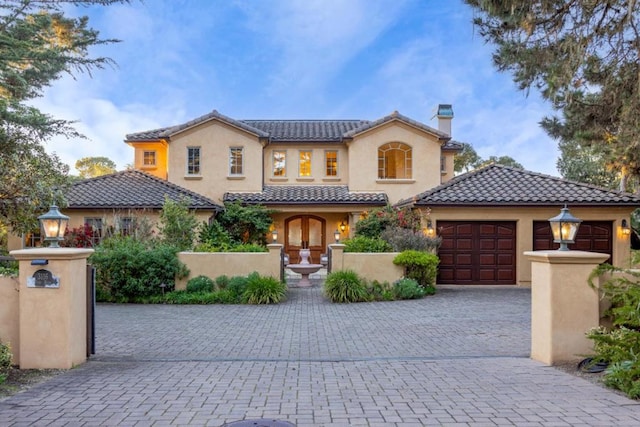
(477, 253)
(593, 236)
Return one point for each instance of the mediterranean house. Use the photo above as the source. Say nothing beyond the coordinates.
(320, 176)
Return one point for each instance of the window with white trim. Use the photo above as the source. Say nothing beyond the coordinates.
(149, 158)
(304, 165)
(394, 161)
(236, 160)
(279, 163)
(331, 163)
(193, 160)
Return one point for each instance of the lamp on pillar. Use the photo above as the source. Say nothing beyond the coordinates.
(53, 224)
(274, 235)
(564, 228)
(336, 235)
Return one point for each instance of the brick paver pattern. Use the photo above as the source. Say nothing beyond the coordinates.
(460, 357)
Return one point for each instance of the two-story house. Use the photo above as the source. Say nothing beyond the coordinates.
(319, 175)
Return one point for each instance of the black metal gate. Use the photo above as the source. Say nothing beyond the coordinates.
(91, 310)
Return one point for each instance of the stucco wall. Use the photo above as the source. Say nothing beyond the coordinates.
(160, 168)
(9, 314)
(524, 218)
(363, 165)
(318, 167)
(214, 264)
(214, 139)
(371, 266)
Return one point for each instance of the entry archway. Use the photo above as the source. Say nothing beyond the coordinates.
(308, 231)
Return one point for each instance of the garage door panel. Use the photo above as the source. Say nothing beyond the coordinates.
(477, 252)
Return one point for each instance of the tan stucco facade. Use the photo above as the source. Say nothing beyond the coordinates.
(525, 217)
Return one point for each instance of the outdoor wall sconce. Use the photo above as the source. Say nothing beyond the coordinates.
(430, 230)
(564, 228)
(53, 224)
(336, 235)
(626, 230)
(274, 235)
(343, 226)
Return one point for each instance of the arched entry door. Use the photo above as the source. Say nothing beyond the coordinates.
(306, 231)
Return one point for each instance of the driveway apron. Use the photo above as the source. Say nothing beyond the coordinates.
(457, 358)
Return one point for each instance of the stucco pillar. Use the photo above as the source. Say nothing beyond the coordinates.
(53, 307)
(336, 262)
(563, 305)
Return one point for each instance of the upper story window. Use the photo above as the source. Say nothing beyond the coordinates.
(443, 164)
(193, 161)
(236, 159)
(305, 163)
(331, 163)
(279, 163)
(149, 158)
(394, 161)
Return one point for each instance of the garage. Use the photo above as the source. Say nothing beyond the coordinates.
(593, 236)
(477, 253)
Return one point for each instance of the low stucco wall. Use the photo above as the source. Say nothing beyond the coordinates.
(214, 264)
(371, 266)
(9, 315)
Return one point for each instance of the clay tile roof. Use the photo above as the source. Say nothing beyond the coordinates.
(131, 189)
(497, 185)
(308, 195)
(397, 116)
(305, 130)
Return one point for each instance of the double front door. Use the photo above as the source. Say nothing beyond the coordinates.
(305, 231)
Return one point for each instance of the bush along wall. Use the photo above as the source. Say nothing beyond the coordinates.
(419, 266)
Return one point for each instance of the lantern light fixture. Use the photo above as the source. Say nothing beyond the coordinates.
(343, 226)
(336, 235)
(274, 235)
(54, 225)
(430, 230)
(626, 230)
(564, 228)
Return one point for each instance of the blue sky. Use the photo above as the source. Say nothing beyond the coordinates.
(295, 59)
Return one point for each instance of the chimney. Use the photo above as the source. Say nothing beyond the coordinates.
(445, 115)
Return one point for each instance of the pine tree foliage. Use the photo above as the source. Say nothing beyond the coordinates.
(38, 45)
(584, 57)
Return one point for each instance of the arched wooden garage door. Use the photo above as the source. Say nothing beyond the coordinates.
(477, 253)
(593, 236)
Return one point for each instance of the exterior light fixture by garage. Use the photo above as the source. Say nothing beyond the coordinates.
(336, 235)
(430, 229)
(53, 224)
(626, 230)
(564, 228)
(274, 235)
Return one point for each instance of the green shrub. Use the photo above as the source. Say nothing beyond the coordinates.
(380, 291)
(345, 286)
(177, 224)
(212, 235)
(9, 269)
(420, 266)
(408, 289)
(376, 221)
(200, 284)
(236, 287)
(403, 239)
(127, 269)
(5, 361)
(222, 282)
(366, 244)
(264, 290)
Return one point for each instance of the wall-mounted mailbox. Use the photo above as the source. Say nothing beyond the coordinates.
(43, 279)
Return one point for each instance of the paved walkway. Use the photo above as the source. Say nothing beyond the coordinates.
(457, 358)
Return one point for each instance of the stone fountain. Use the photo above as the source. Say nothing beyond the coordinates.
(304, 268)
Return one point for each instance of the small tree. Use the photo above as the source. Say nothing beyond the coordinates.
(245, 224)
(178, 225)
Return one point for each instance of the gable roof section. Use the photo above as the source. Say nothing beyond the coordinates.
(308, 195)
(497, 185)
(131, 189)
(167, 132)
(295, 130)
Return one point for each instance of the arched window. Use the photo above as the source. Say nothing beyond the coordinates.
(394, 161)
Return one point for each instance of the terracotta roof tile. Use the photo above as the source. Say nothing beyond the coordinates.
(131, 189)
(309, 195)
(497, 185)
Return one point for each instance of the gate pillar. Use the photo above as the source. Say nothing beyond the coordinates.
(563, 305)
(53, 307)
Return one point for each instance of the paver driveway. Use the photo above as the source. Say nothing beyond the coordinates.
(457, 358)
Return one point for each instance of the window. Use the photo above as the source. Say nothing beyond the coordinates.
(149, 158)
(93, 226)
(443, 164)
(305, 163)
(33, 239)
(193, 161)
(235, 160)
(279, 163)
(331, 163)
(127, 226)
(394, 161)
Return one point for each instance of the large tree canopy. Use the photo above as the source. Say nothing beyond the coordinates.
(584, 57)
(468, 159)
(91, 167)
(38, 44)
